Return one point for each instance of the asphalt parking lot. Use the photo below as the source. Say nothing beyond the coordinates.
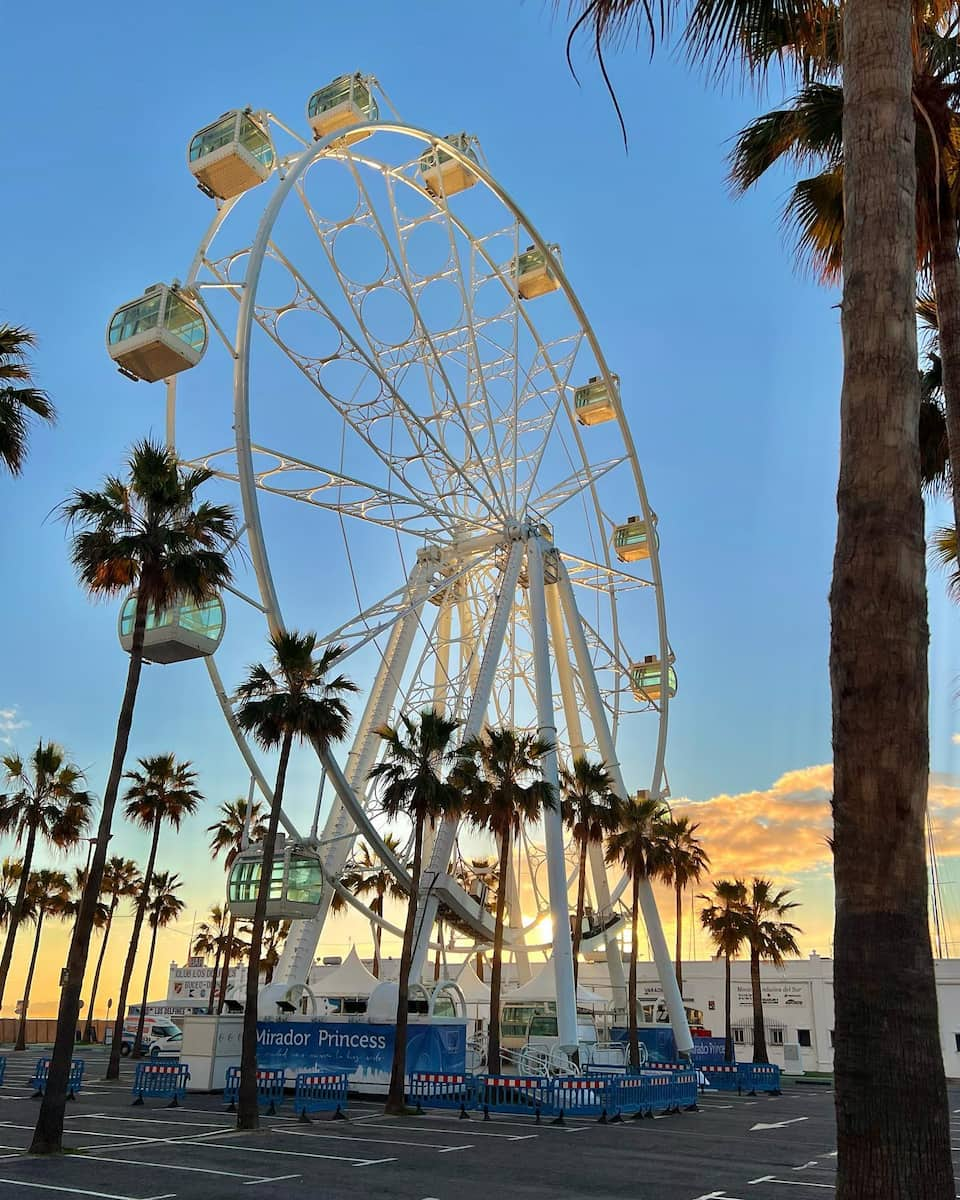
(735, 1148)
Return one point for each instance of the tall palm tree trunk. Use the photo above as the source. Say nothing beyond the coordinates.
(759, 1033)
(213, 980)
(48, 1135)
(22, 1027)
(96, 974)
(227, 958)
(248, 1113)
(728, 1052)
(632, 981)
(149, 971)
(16, 913)
(886, 1003)
(678, 963)
(395, 1096)
(578, 918)
(496, 967)
(113, 1067)
(946, 282)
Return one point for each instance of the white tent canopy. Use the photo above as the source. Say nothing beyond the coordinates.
(474, 990)
(543, 986)
(351, 979)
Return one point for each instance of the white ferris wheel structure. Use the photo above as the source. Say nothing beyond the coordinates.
(427, 439)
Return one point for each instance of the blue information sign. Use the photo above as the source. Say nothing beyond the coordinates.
(364, 1052)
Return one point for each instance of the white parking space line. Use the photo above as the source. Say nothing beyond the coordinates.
(794, 1183)
(462, 1128)
(155, 1121)
(357, 1162)
(138, 1162)
(271, 1179)
(530, 1123)
(84, 1132)
(49, 1187)
(340, 1137)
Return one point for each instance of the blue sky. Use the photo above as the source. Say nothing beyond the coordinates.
(730, 357)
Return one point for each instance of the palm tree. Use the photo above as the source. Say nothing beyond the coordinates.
(18, 404)
(211, 938)
(47, 801)
(770, 938)
(878, 649)
(590, 812)
(162, 792)
(292, 699)
(121, 880)
(500, 774)
(163, 907)
(638, 846)
(411, 780)
(227, 838)
(150, 532)
(685, 862)
(808, 131)
(48, 894)
(723, 918)
(11, 872)
(367, 876)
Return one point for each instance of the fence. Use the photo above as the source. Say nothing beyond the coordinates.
(759, 1077)
(42, 1072)
(154, 1079)
(524, 1094)
(269, 1087)
(442, 1091)
(320, 1093)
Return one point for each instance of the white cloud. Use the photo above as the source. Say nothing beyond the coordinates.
(9, 724)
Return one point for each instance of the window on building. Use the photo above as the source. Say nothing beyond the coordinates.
(956, 1038)
(831, 1039)
(738, 1037)
(803, 1037)
(776, 1035)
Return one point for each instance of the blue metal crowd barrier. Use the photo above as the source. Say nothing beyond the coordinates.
(579, 1097)
(316, 1092)
(161, 1079)
(42, 1072)
(433, 1090)
(725, 1078)
(269, 1087)
(3, 1068)
(685, 1085)
(529, 1094)
(759, 1077)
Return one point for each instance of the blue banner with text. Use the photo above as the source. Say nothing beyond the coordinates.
(364, 1052)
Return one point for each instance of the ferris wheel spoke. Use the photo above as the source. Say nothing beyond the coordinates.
(330, 489)
(391, 362)
(544, 503)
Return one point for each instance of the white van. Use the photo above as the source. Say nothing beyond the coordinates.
(160, 1037)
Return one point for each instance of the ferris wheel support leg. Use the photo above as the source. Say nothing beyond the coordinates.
(608, 752)
(552, 818)
(447, 835)
(571, 712)
(301, 944)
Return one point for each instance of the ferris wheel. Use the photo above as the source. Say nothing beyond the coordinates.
(432, 458)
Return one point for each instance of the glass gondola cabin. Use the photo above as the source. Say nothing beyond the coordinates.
(178, 633)
(646, 679)
(346, 101)
(631, 541)
(534, 277)
(156, 335)
(296, 882)
(231, 156)
(442, 173)
(593, 403)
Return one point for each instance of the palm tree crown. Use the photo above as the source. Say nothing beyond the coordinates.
(18, 404)
(684, 862)
(226, 834)
(162, 790)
